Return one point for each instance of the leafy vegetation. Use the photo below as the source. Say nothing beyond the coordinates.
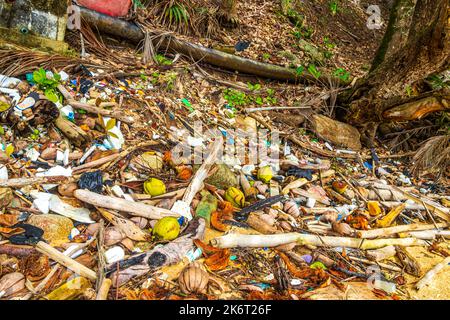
(48, 85)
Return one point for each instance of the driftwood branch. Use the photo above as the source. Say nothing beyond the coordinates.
(384, 232)
(114, 203)
(273, 240)
(22, 182)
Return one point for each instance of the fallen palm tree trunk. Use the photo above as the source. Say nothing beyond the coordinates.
(273, 240)
(383, 232)
(133, 208)
(132, 32)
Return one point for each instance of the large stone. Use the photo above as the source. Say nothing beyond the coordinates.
(56, 228)
(338, 133)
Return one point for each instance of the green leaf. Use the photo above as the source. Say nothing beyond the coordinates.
(2, 131)
(110, 124)
(51, 95)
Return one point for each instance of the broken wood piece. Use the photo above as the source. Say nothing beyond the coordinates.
(382, 265)
(430, 274)
(409, 263)
(273, 240)
(427, 234)
(22, 182)
(96, 163)
(384, 232)
(67, 262)
(129, 228)
(104, 289)
(76, 135)
(104, 112)
(381, 254)
(119, 204)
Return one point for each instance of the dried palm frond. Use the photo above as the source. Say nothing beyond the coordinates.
(19, 60)
(433, 156)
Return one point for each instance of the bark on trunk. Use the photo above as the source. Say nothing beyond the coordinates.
(416, 45)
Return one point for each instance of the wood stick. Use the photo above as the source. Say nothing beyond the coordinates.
(104, 112)
(273, 240)
(430, 274)
(22, 182)
(96, 163)
(383, 265)
(428, 234)
(201, 174)
(114, 203)
(69, 263)
(383, 232)
(104, 289)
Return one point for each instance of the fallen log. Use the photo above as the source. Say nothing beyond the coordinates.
(114, 203)
(274, 240)
(132, 32)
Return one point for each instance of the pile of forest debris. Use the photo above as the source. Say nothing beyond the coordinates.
(123, 178)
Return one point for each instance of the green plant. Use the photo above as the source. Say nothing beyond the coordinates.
(312, 69)
(303, 32)
(266, 56)
(299, 70)
(408, 90)
(334, 7)
(270, 99)
(438, 82)
(253, 87)
(235, 97)
(328, 43)
(342, 74)
(176, 14)
(49, 86)
(161, 60)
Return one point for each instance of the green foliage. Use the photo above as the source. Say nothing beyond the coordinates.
(161, 60)
(328, 43)
(303, 32)
(177, 14)
(235, 97)
(266, 56)
(438, 82)
(334, 7)
(342, 74)
(253, 87)
(49, 86)
(408, 90)
(312, 69)
(299, 71)
(238, 98)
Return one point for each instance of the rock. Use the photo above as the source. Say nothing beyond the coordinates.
(338, 133)
(312, 51)
(56, 228)
(223, 178)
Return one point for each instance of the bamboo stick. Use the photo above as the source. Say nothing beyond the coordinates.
(114, 203)
(273, 240)
(383, 232)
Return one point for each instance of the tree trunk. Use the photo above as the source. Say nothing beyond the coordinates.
(416, 45)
